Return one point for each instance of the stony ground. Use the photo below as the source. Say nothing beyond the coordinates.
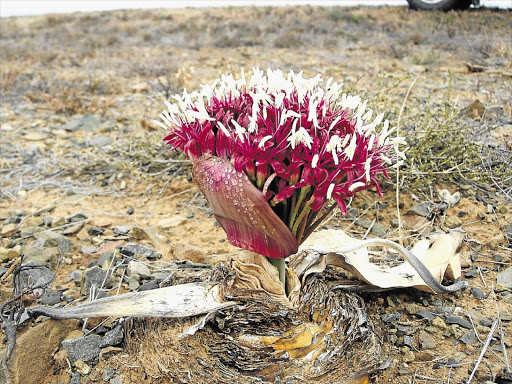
(89, 191)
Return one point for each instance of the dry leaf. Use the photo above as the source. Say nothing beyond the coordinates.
(426, 267)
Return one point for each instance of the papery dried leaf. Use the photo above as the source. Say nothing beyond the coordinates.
(425, 269)
(242, 210)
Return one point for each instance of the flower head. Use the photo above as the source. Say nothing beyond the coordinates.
(301, 144)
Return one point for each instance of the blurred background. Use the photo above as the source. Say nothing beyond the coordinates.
(36, 7)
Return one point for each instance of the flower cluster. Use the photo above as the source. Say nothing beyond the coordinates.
(300, 143)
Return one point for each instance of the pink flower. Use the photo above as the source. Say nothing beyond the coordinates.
(300, 145)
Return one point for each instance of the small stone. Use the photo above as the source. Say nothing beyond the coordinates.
(471, 273)
(116, 380)
(137, 251)
(45, 210)
(53, 239)
(108, 373)
(440, 323)
(149, 285)
(46, 257)
(485, 322)
(469, 337)
(82, 367)
(80, 216)
(496, 241)
(453, 222)
(133, 282)
(7, 254)
(489, 209)
(130, 210)
(458, 320)
(508, 299)
(390, 317)
(8, 230)
(426, 341)
(75, 379)
(425, 314)
(505, 316)
(113, 337)
(29, 231)
(380, 230)
(84, 348)
(138, 268)
(36, 136)
(420, 209)
(47, 221)
(121, 230)
(51, 298)
(35, 274)
(408, 355)
(505, 278)
(75, 276)
(478, 293)
(100, 141)
(411, 308)
(94, 276)
(72, 229)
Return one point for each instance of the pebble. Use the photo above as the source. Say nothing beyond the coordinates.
(95, 231)
(75, 276)
(72, 229)
(45, 210)
(75, 379)
(505, 278)
(85, 348)
(8, 230)
(149, 285)
(420, 209)
(108, 373)
(458, 320)
(440, 323)
(453, 222)
(80, 216)
(469, 337)
(53, 239)
(82, 367)
(426, 314)
(137, 251)
(390, 317)
(47, 221)
(138, 268)
(100, 141)
(121, 230)
(95, 276)
(426, 341)
(478, 293)
(46, 257)
(51, 298)
(7, 254)
(38, 275)
(133, 282)
(505, 316)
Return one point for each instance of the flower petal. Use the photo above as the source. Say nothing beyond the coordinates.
(242, 210)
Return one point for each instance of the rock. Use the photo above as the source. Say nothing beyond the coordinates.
(113, 337)
(172, 222)
(133, 282)
(53, 239)
(116, 380)
(485, 322)
(478, 293)
(47, 221)
(71, 229)
(7, 254)
(137, 251)
(475, 110)
(411, 308)
(100, 141)
(75, 276)
(420, 209)
(390, 317)
(379, 230)
(149, 285)
(108, 373)
(408, 355)
(85, 348)
(440, 323)
(95, 231)
(138, 268)
(97, 276)
(188, 252)
(453, 222)
(41, 256)
(458, 320)
(8, 230)
(36, 275)
(121, 230)
(86, 122)
(76, 378)
(469, 337)
(426, 341)
(45, 210)
(425, 314)
(82, 367)
(505, 316)
(496, 241)
(51, 298)
(505, 278)
(35, 349)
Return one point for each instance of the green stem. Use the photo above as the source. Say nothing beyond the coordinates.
(281, 268)
(295, 208)
(301, 217)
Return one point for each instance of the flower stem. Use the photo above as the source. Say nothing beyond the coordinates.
(295, 208)
(302, 216)
(281, 268)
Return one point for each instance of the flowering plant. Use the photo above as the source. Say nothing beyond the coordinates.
(270, 151)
